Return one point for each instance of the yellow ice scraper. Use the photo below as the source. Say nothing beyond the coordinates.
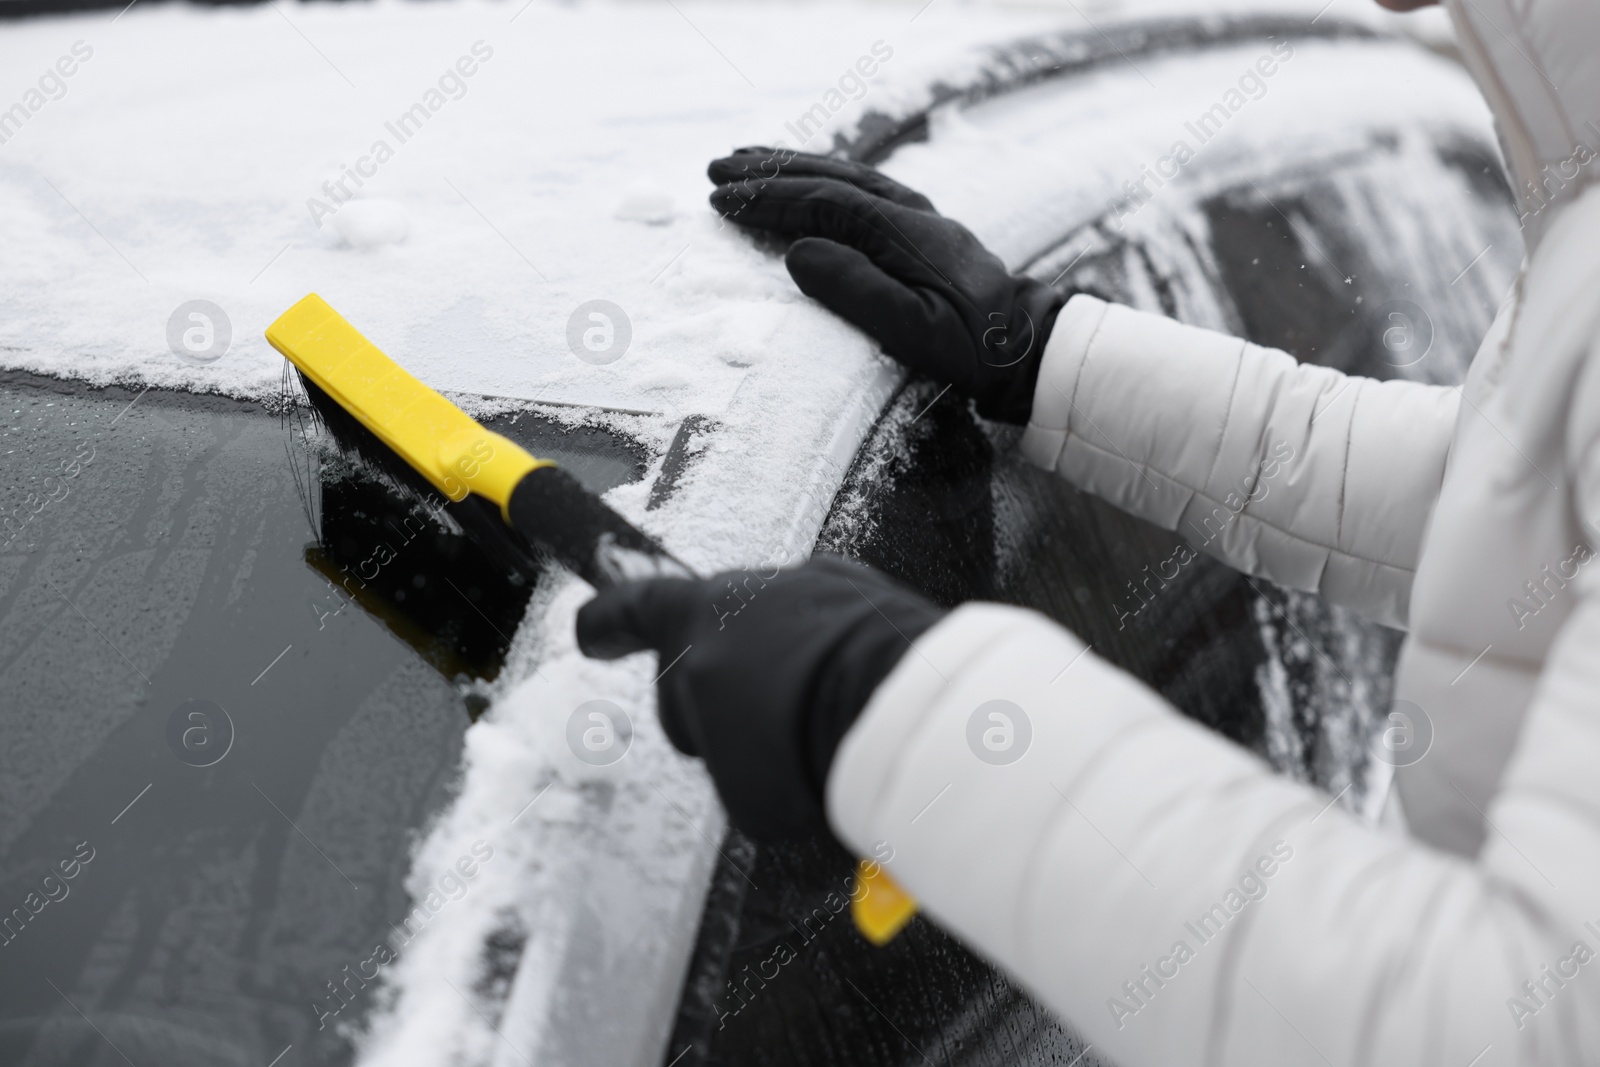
(503, 496)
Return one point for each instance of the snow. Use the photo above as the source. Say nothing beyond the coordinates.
(371, 222)
(1119, 124)
(206, 154)
(646, 201)
(198, 154)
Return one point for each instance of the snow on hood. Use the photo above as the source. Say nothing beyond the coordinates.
(171, 155)
(508, 164)
(1536, 62)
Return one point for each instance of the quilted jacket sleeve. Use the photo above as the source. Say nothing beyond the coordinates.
(1181, 905)
(1297, 473)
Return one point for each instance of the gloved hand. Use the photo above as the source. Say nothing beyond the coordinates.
(879, 256)
(763, 673)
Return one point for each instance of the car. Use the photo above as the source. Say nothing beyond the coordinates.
(336, 787)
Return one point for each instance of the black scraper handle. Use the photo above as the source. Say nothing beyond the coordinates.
(554, 511)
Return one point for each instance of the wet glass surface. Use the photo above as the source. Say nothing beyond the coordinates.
(216, 756)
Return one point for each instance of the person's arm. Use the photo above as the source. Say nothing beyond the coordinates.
(1276, 929)
(1317, 480)
(1159, 887)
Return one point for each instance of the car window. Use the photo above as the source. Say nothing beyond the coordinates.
(213, 638)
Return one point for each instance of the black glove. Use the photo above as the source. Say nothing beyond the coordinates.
(878, 255)
(778, 665)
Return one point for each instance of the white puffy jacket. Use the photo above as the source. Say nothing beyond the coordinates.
(1164, 890)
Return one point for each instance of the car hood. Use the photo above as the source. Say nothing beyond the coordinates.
(246, 157)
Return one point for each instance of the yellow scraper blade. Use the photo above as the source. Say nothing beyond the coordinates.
(440, 441)
(880, 908)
